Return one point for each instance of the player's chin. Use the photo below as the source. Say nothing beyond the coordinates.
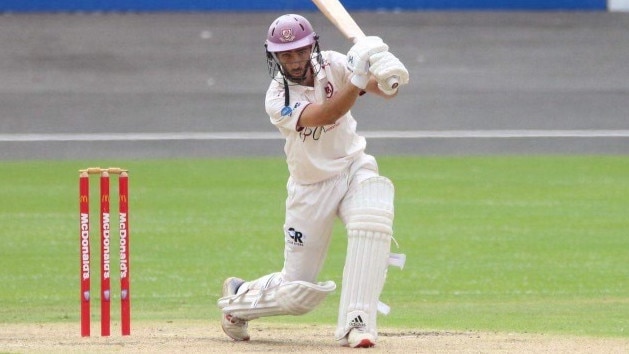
(296, 79)
(299, 73)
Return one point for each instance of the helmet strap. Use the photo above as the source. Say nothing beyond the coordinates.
(286, 92)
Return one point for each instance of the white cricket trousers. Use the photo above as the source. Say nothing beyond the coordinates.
(311, 211)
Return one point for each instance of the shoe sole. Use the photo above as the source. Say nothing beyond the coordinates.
(235, 339)
(365, 343)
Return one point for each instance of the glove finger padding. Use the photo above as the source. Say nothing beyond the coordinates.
(385, 65)
(359, 54)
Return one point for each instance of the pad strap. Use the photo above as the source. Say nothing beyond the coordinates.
(397, 260)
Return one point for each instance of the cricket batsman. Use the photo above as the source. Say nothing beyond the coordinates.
(331, 176)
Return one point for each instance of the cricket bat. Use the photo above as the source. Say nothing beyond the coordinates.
(334, 11)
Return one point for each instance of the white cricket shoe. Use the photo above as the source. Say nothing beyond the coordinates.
(360, 339)
(234, 327)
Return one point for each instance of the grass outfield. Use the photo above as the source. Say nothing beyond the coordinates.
(524, 244)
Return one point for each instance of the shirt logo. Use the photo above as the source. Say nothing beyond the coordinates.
(329, 90)
(316, 132)
(287, 111)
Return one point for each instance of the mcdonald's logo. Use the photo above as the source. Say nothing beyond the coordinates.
(83, 198)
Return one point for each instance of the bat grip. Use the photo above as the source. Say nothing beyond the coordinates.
(393, 82)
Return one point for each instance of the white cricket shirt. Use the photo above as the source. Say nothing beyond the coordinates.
(315, 154)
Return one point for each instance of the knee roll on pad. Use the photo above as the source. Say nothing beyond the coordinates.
(371, 206)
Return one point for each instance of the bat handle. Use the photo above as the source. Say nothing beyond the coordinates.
(393, 82)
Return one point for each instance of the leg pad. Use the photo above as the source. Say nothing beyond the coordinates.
(285, 298)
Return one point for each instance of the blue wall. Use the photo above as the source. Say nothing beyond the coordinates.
(282, 5)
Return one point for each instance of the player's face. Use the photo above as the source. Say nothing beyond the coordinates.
(295, 62)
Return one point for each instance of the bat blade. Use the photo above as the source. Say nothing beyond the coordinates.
(334, 11)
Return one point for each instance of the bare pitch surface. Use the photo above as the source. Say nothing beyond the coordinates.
(197, 337)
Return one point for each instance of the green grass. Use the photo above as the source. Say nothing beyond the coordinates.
(526, 244)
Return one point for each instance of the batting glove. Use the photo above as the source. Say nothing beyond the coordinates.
(358, 58)
(384, 66)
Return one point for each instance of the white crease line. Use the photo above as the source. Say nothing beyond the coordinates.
(493, 134)
(138, 136)
(392, 134)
